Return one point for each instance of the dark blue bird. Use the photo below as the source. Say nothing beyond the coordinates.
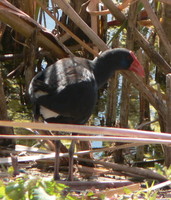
(66, 92)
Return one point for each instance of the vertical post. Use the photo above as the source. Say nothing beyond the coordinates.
(112, 101)
(167, 149)
(168, 103)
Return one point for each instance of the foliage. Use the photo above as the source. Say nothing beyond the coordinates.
(148, 194)
(35, 188)
(163, 170)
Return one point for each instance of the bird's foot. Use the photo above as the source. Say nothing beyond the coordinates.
(56, 177)
(70, 177)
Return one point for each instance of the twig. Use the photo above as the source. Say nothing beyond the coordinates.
(69, 11)
(14, 160)
(82, 185)
(140, 126)
(120, 190)
(87, 47)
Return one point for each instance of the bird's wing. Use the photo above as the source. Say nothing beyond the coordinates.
(72, 100)
(66, 88)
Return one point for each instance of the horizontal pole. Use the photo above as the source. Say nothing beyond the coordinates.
(87, 138)
(88, 130)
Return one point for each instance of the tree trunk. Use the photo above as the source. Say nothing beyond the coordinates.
(167, 28)
(125, 100)
(167, 149)
(3, 116)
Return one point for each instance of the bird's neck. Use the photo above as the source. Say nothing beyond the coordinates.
(103, 70)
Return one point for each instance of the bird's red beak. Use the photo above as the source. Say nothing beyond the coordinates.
(136, 66)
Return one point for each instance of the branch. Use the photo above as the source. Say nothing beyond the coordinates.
(146, 173)
(153, 97)
(158, 27)
(26, 26)
(87, 47)
(69, 11)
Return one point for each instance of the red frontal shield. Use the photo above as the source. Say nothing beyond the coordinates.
(136, 66)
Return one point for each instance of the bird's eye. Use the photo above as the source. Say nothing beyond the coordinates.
(129, 58)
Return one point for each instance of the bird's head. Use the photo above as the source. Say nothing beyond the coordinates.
(115, 59)
(120, 59)
(125, 59)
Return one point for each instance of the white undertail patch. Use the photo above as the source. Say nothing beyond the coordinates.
(46, 113)
(40, 93)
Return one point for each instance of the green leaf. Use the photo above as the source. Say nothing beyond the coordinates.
(127, 191)
(40, 194)
(89, 194)
(2, 190)
(10, 170)
(69, 197)
(15, 191)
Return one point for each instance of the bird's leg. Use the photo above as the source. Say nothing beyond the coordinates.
(57, 160)
(71, 160)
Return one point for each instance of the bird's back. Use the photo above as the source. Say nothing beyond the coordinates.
(65, 92)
